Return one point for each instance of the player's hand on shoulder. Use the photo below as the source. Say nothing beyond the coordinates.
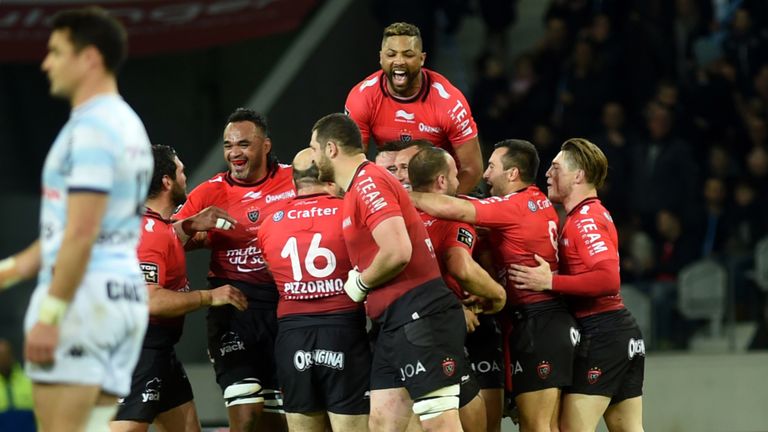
(227, 294)
(210, 218)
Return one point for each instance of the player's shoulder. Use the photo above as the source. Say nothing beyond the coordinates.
(217, 181)
(155, 231)
(441, 87)
(591, 210)
(367, 86)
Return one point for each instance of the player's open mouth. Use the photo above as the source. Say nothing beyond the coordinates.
(238, 163)
(399, 77)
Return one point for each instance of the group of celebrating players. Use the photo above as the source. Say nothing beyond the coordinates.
(466, 297)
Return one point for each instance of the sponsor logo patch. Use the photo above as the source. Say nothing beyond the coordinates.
(465, 236)
(151, 273)
(278, 216)
(532, 206)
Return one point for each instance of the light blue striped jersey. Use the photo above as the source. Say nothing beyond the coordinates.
(103, 148)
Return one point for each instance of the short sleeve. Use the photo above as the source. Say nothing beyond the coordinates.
(494, 212)
(357, 108)
(153, 252)
(378, 200)
(92, 156)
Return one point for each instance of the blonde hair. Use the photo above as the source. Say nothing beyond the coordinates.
(585, 155)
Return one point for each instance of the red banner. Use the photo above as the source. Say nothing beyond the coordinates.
(153, 26)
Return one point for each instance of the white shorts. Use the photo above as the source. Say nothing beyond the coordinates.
(100, 336)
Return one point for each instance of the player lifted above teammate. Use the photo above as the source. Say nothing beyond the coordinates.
(396, 269)
(406, 101)
(241, 343)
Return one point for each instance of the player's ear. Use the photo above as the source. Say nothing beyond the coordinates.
(267, 145)
(423, 58)
(167, 183)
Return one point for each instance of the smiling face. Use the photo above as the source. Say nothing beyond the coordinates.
(495, 175)
(245, 150)
(401, 60)
(64, 66)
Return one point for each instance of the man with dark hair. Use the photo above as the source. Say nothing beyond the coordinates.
(523, 226)
(433, 170)
(408, 150)
(322, 352)
(609, 365)
(241, 344)
(385, 155)
(395, 268)
(160, 391)
(406, 101)
(94, 184)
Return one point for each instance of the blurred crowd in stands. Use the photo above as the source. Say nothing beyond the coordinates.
(675, 92)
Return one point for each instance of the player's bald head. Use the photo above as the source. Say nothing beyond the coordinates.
(305, 172)
(303, 159)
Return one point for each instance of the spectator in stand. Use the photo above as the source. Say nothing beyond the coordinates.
(491, 98)
(531, 98)
(744, 48)
(616, 141)
(664, 168)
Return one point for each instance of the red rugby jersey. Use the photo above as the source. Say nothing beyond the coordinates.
(522, 224)
(589, 260)
(374, 195)
(304, 248)
(234, 253)
(446, 234)
(438, 113)
(162, 260)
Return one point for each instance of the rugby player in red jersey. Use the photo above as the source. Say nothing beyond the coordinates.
(405, 101)
(433, 170)
(241, 343)
(523, 224)
(418, 354)
(160, 391)
(610, 360)
(322, 351)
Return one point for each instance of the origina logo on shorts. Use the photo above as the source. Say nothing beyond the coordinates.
(449, 366)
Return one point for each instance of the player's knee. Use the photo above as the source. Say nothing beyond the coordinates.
(99, 419)
(245, 391)
(437, 402)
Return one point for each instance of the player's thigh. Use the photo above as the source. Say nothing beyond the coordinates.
(625, 416)
(391, 409)
(536, 407)
(182, 418)
(472, 415)
(64, 407)
(128, 426)
(344, 422)
(581, 412)
(494, 406)
(309, 422)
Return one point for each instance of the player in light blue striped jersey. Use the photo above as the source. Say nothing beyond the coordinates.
(87, 317)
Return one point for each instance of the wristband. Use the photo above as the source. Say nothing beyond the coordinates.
(8, 265)
(52, 309)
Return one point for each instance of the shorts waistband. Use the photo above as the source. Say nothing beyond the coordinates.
(343, 319)
(265, 293)
(524, 311)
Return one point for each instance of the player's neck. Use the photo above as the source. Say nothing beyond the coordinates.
(91, 87)
(346, 169)
(576, 196)
(411, 92)
(303, 190)
(161, 205)
(514, 187)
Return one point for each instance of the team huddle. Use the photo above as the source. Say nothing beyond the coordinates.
(467, 299)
